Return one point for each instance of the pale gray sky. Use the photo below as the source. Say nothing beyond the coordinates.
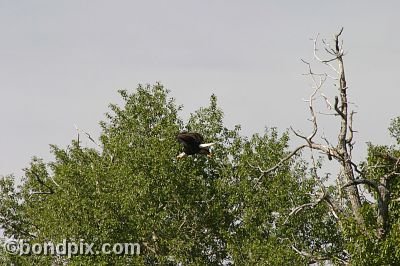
(61, 63)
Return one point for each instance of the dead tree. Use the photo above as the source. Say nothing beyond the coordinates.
(341, 152)
(349, 177)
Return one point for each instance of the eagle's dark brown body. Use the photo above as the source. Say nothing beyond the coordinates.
(193, 144)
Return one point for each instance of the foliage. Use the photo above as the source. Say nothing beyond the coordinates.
(394, 129)
(132, 189)
(382, 163)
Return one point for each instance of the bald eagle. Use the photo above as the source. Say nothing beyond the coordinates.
(192, 144)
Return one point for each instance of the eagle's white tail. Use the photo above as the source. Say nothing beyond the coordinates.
(205, 145)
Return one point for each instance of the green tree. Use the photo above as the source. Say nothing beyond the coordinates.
(196, 211)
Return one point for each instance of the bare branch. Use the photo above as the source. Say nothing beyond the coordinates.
(301, 207)
(298, 134)
(41, 182)
(313, 258)
(31, 193)
(373, 184)
(311, 107)
(337, 41)
(325, 139)
(337, 108)
(341, 147)
(55, 183)
(326, 62)
(333, 206)
(87, 135)
(290, 155)
(328, 104)
(350, 137)
(355, 167)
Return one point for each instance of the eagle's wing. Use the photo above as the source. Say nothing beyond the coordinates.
(185, 139)
(190, 139)
(198, 138)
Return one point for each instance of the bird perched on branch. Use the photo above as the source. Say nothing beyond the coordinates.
(193, 144)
